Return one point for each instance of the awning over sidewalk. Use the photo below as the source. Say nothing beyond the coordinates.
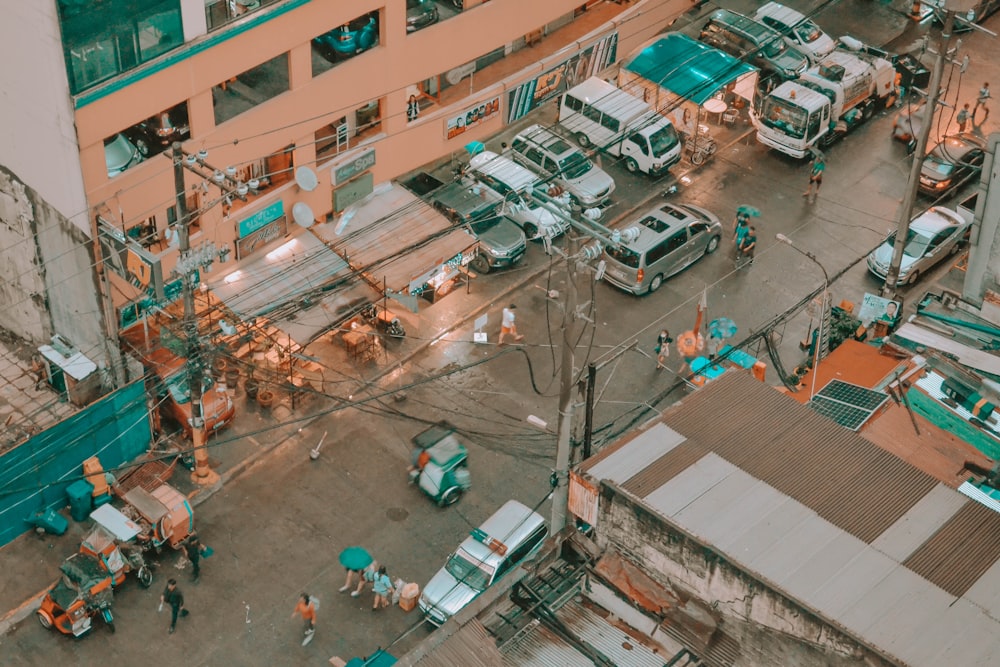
(395, 239)
(684, 66)
(302, 287)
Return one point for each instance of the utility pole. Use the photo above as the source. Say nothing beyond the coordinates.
(187, 265)
(564, 445)
(906, 209)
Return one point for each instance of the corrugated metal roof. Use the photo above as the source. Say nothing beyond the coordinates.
(851, 532)
(470, 646)
(637, 453)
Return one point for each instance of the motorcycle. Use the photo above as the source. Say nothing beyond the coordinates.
(83, 592)
(383, 320)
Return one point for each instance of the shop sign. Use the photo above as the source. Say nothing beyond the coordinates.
(129, 259)
(457, 125)
(250, 224)
(353, 191)
(130, 314)
(577, 68)
(352, 168)
(274, 230)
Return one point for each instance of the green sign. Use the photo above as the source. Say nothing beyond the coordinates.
(349, 170)
(262, 217)
(353, 191)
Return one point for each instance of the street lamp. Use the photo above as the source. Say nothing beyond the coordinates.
(819, 334)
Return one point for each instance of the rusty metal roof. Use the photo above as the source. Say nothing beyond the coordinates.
(865, 540)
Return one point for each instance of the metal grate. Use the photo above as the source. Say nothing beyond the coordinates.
(847, 404)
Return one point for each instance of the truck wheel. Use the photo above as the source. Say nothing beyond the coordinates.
(583, 140)
(713, 245)
(44, 620)
(867, 110)
(480, 265)
(631, 165)
(655, 283)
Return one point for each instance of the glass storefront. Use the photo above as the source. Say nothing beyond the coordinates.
(103, 38)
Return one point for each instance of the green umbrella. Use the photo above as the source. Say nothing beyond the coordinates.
(746, 209)
(355, 558)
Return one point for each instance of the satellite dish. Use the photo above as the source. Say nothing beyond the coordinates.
(303, 215)
(306, 179)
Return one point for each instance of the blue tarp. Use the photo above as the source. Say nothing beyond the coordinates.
(687, 67)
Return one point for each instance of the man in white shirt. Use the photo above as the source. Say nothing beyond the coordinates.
(508, 326)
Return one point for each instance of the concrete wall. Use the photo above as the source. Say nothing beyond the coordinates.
(771, 629)
(38, 137)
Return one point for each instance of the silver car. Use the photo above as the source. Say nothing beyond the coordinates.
(933, 235)
(120, 154)
(511, 535)
(551, 156)
(662, 241)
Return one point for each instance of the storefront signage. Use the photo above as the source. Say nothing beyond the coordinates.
(249, 225)
(348, 170)
(128, 259)
(353, 191)
(875, 308)
(577, 68)
(273, 230)
(471, 117)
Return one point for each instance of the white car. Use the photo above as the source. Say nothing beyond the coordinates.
(797, 30)
(933, 235)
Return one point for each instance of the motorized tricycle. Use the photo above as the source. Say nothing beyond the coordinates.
(113, 542)
(83, 592)
(384, 320)
(441, 466)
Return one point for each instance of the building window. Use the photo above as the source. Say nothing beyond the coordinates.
(344, 42)
(254, 86)
(103, 38)
(219, 13)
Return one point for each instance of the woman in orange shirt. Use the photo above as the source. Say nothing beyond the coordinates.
(307, 610)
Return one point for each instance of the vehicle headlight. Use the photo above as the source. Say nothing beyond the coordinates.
(941, 185)
(496, 252)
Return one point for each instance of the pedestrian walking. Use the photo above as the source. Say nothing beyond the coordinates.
(818, 166)
(173, 597)
(508, 326)
(194, 550)
(306, 608)
(663, 342)
(963, 117)
(740, 228)
(365, 578)
(981, 101)
(383, 589)
(412, 109)
(747, 248)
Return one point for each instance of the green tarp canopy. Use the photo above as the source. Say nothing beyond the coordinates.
(687, 67)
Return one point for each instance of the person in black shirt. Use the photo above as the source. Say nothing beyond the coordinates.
(173, 596)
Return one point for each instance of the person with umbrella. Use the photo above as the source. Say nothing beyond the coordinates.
(742, 225)
(355, 560)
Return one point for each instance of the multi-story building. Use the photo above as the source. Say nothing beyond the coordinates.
(97, 90)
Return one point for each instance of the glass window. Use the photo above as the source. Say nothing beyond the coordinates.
(218, 13)
(344, 42)
(677, 240)
(103, 38)
(573, 103)
(254, 86)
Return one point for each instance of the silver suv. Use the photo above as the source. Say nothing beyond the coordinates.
(548, 154)
(476, 208)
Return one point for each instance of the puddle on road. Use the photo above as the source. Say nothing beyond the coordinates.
(396, 514)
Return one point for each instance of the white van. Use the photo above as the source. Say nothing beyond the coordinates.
(599, 114)
(516, 185)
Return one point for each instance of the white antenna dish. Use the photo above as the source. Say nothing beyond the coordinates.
(303, 215)
(306, 179)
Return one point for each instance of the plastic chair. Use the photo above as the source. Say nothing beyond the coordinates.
(730, 116)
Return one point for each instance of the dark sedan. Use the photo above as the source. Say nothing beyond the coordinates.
(420, 14)
(952, 163)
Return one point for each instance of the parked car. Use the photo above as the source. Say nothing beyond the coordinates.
(741, 36)
(420, 14)
(349, 39)
(663, 241)
(952, 163)
(474, 206)
(797, 30)
(965, 20)
(933, 235)
(120, 154)
(510, 536)
(156, 134)
(549, 155)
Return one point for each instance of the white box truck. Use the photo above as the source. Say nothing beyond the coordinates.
(598, 114)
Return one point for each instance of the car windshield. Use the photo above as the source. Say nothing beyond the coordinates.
(469, 571)
(939, 164)
(774, 48)
(625, 255)
(808, 32)
(782, 115)
(575, 166)
(663, 140)
(481, 226)
(916, 244)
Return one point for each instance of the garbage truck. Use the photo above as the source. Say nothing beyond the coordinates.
(828, 100)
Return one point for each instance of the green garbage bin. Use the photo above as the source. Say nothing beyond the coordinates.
(80, 499)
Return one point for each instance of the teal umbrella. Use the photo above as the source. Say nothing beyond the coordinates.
(722, 328)
(746, 209)
(355, 558)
